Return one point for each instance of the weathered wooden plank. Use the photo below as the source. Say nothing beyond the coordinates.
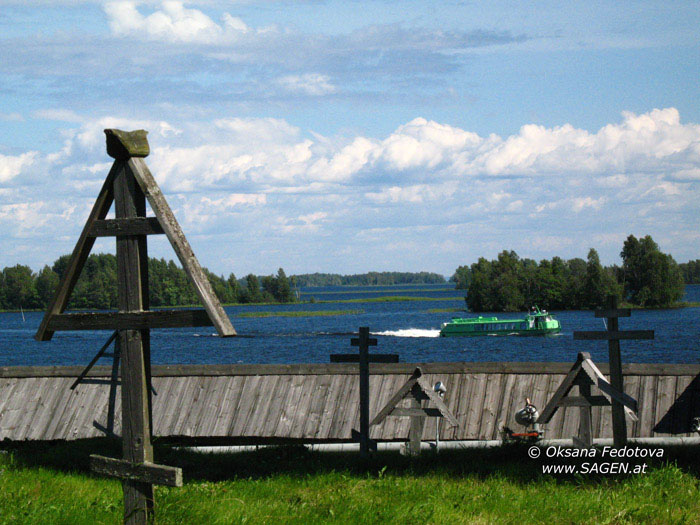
(291, 403)
(231, 397)
(632, 387)
(614, 335)
(647, 406)
(134, 320)
(132, 226)
(682, 405)
(665, 395)
(302, 408)
(473, 408)
(80, 254)
(397, 397)
(494, 393)
(330, 406)
(256, 419)
(639, 369)
(279, 399)
(182, 247)
(145, 472)
(584, 401)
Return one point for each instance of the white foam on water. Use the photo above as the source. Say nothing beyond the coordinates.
(411, 332)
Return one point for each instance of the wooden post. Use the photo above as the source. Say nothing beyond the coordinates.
(364, 358)
(129, 200)
(615, 360)
(585, 412)
(415, 433)
(363, 342)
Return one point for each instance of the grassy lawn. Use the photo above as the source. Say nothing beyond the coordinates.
(51, 484)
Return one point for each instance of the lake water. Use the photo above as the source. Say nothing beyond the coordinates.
(407, 328)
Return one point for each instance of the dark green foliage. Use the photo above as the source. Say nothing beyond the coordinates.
(650, 277)
(368, 279)
(690, 271)
(97, 286)
(462, 277)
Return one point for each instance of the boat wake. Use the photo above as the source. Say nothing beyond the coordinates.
(410, 332)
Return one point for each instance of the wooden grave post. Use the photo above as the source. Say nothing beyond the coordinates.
(417, 391)
(128, 185)
(364, 358)
(584, 374)
(613, 335)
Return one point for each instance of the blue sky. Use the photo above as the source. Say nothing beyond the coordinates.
(355, 136)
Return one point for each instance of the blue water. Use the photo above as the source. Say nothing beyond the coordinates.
(406, 328)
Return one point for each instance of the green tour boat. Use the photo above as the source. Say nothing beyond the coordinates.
(535, 322)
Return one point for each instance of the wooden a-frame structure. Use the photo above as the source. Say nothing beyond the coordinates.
(417, 391)
(585, 374)
(129, 185)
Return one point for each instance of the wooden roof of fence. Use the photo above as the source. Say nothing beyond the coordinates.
(319, 402)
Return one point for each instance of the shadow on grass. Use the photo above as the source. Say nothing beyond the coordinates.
(509, 461)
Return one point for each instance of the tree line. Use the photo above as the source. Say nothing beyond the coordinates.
(168, 285)
(647, 278)
(691, 271)
(368, 279)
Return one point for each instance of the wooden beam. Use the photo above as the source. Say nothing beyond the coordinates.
(145, 472)
(609, 313)
(422, 412)
(182, 248)
(79, 255)
(135, 226)
(398, 396)
(129, 320)
(583, 401)
(372, 358)
(614, 335)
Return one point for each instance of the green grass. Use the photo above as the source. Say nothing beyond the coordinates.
(308, 313)
(52, 484)
(445, 310)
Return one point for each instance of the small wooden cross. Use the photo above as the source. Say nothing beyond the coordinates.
(364, 358)
(613, 335)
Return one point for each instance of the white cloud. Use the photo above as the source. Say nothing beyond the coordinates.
(313, 84)
(12, 166)
(173, 22)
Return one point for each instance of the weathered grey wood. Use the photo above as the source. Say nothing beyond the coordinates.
(564, 387)
(417, 424)
(79, 256)
(538, 368)
(585, 422)
(584, 401)
(135, 226)
(616, 377)
(94, 360)
(614, 334)
(182, 248)
(437, 401)
(400, 394)
(135, 320)
(613, 394)
(373, 358)
(135, 392)
(617, 312)
(143, 472)
(420, 412)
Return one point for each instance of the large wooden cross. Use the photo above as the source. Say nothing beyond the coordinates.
(613, 335)
(129, 185)
(364, 358)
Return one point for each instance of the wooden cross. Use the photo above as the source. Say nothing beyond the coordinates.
(585, 374)
(129, 185)
(416, 390)
(613, 335)
(364, 358)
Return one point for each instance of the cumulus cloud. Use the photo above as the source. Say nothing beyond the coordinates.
(263, 177)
